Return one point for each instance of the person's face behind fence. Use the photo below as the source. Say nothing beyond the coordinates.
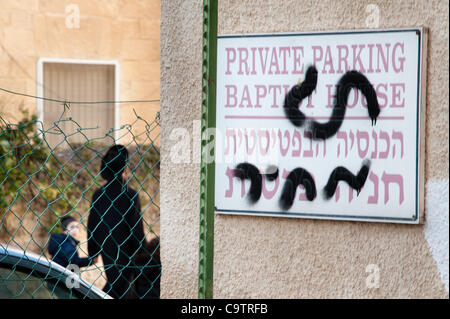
(72, 229)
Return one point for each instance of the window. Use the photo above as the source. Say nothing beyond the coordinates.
(22, 285)
(77, 81)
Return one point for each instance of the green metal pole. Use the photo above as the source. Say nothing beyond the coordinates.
(206, 230)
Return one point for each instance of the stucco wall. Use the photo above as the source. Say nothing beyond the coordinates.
(180, 106)
(122, 30)
(296, 258)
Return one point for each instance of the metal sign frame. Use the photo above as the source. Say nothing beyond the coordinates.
(418, 215)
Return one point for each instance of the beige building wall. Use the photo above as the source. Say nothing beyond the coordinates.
(122, 30)
(266, 257)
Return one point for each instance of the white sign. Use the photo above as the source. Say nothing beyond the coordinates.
(324, 158)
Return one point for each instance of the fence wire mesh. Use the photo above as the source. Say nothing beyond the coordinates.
(92, 207)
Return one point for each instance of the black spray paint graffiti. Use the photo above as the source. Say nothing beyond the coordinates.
(251, 172)
(300, 176)
(350, 80)
(340, 173)
(297, 94)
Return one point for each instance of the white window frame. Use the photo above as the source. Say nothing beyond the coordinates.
(40, 88)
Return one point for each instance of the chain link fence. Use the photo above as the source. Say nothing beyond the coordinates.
(68, 203)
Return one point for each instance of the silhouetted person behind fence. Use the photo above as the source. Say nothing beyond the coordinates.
(115, 228)
(146, 277)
